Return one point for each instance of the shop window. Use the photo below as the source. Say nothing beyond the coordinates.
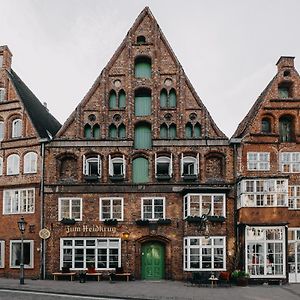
(2, 95)
(117, 167)
(30, 163)
(13, 164)
(140, 170)
(141, 40)
(286, 129)
(81, 253)
(189, 166)
(289, 162)
(294, 197)
(258, 161)
(16, 128)
(285, 90)
(111, 208)
(142, 102)
(1, 131)
(18, 201)
(2, 254)
(153, 208)
(142, 136)
(142, 67)
(112, 99)
(205, 254)
(266, 125)
(67, 168)
(163, 167)
(15, 254)
(70, 208)
(92, 167)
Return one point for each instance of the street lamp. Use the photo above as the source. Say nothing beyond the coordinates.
(22, 227)
(125, 236)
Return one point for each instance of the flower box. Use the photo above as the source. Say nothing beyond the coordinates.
(67, 221)
(164, 221)
(194, 219)
(111, 222)
(216, 219)
(142, 222)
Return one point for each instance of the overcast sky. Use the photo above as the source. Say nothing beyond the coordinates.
(228, 49)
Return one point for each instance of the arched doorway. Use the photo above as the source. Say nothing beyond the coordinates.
(153, 261)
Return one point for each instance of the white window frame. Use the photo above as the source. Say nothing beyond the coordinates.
(202, 245)
(70, 200)
(1, 166)
(16, 128)
(2, 254)
(112, 199)
(111, 162)
(187, 204)
(289, 162)
(264, 191)
(30, 163)
(13, 164)
(31, 265)
(164, 159)
(73, 247)
(2, 94)
(258, 161)
(16, 201)
(153, 207)
(87, 161)
(294, 197)
(190, 159)
(259, 237)
(1, 131)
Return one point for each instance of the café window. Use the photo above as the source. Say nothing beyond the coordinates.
(15, 254)
(117, 166)
(189, 165)
(294, 197)
(111, 208)
(289, 162)
(258, 161)
(2, 254)
(70, 208)
(153, 208)
(204, 254)
(163, 166)
(81, 253)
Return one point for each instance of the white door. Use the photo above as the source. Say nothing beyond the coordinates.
(294, 256)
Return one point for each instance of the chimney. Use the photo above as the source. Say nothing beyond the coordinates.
(45, 105)
(285, 62)
(5, 57)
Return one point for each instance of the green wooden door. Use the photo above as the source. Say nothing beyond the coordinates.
(153, 261)
(140, 172)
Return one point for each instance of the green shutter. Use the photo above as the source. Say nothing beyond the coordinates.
(142, 68)
(163, 133)
(140, 170)
(142, 137)
(112, 131)
(172, 131)
(197, 130)
(142, 105)
(122, 131)
(112, 99)
(163, 98)
(87, 131)
(122, 99)
(172, 98)
(188, 130)
(96, 131)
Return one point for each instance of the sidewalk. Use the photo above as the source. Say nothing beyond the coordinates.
(162, 290)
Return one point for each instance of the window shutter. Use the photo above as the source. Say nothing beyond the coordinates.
(171, 166)
(99, 166)
(197, 165)
(124, 165)
(181, 167)
(155, 165)
(110, 166)
(84, 169)
(140, 170)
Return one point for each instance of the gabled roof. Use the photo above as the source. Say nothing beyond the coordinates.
(42, 120)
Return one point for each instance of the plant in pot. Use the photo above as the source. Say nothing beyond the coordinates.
(240, 277)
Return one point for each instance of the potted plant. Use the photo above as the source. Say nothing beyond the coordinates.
(194, 219)
(240, 277)
(111, 222)
(142, 222)
(164, 221)
(68, 221)
(216, 219)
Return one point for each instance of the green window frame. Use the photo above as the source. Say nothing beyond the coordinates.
(112, 99)
(142, 102)
(142, 136)
(140, 170)
(142, 67)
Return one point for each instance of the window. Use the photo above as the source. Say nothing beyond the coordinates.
(140, 170)
(265, 125)
(1, 166)
(80, 253)
(30, 162)
(189, 165)
(111, 208)
(1, 61)
(142, 102)
(285, 90)
(112, 99)
(117, 132)
(16, 128)
(92, 131)
(1, 131)
(153, 208)
(294, 197)
(15, 254)
(70, 208)
(141, 40)
(263, 192)
(265, 251)
(286, 129)
(142, 67)
(2, 254)
(204, 254)
(192, 131)
(258, 161)
(200, 204)
(168, 100)
(13, 164)
(117, 166)
(289, 162)
(2, 94)
(163, 166)
(87, 131)
(167, 132)
(92, 166)
(18, 201)
(117, 101)
(142, 136)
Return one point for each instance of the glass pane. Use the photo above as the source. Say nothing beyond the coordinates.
(112, 99)
(142, 137)
(172, 98)
(163, 98)
(163, 134)
(122, 99)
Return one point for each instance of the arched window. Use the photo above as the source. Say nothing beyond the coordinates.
(163, 167)
(142, 102)
(163, 133)
(286, 129)
(141, 40)
(172, 131)
(96, 131)
(30, 163)
(1, 166)
(112, 99)
(189, 165)
(16, 128)
(2, 94)
(142, 67)
(13, 164)
(285, 90)
(92, 166)
(1, 130)
(122, 99)
(87, 131)
(163, 98)
(112, 131)
(172, 98)
(140, 170)
(188, 130)
(265, 125)
(168, 100)
(197, 130)
(142, 136)
(117, 166)
(122, 131)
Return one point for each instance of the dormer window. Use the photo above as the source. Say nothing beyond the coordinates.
(92, 167)
(117, 167)
(16, 128)
(163, 167)
(189, 167)
(2, 94)
(285, 90)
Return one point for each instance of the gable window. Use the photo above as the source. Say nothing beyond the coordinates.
(294, 197)
(189, 166)
(117, 101)
(167, 132)
(140, 170)
(1, 131)
(265, 125)
(117, 132)
(2, 94)
(15, 254)
(205, 254)
(16, 128)
(286, 129)
(285, 90)
(2, 254)
(199, 204)
(163, 167)
(192, 131)
(18, 201)
(168, 99)
(289, 162)
(92, 131)
(142, 136)
(142, 102)
(13, 164)
(142, 67)
(141, 40)
(30, 162)
(258, 161)
(111, 208)
(70, 208)
(153, 208)
(117, 166)
(92, 167)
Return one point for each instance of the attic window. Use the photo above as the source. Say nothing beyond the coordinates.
(285, 90)
(286, 73)
(92, 117)
(141, 40)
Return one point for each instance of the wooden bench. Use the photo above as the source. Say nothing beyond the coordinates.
(60, 274)
(98, 275)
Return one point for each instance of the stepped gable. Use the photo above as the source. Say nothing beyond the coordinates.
(42, 120)
(165, 64)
